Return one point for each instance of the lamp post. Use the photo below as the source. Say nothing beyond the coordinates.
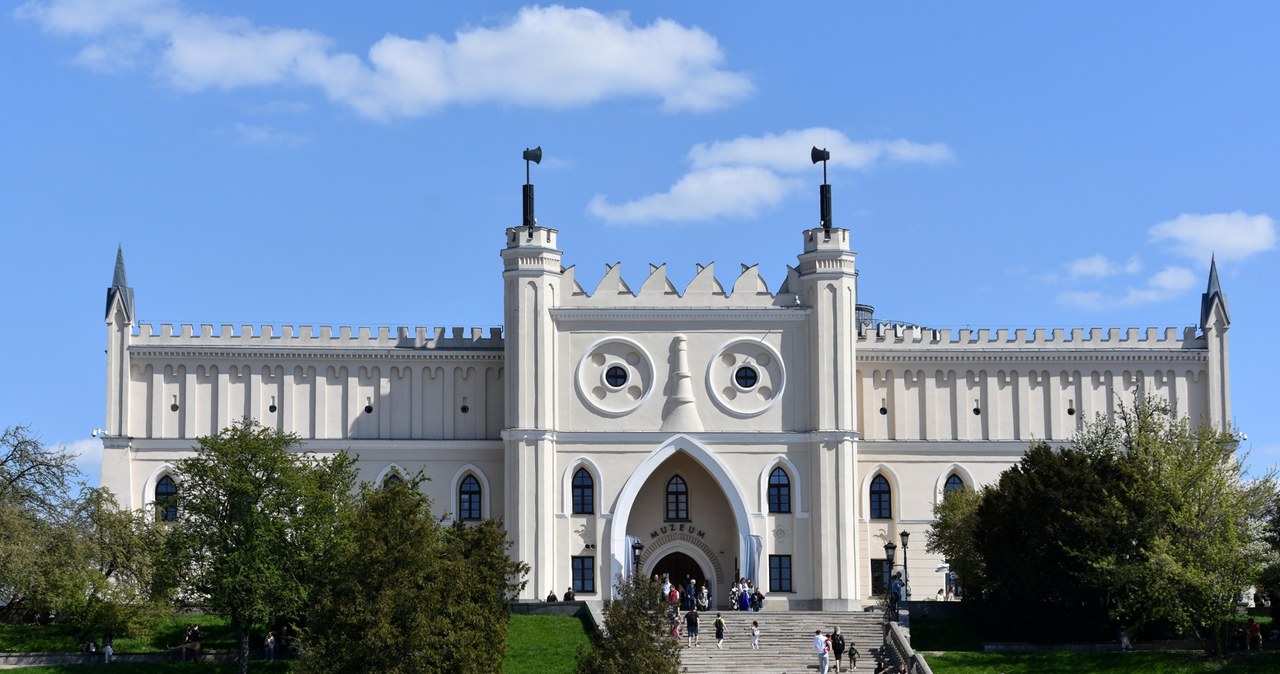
(906, 575)
(889, 550)
(636, 549)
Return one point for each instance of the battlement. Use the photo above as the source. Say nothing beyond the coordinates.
(1075, 338)
(749, 290)
(308, 336)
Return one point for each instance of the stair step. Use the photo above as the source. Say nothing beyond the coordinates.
(786, 642)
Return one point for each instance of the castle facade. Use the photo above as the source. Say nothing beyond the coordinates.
(710, 433)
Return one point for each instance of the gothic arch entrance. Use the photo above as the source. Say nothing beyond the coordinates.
(680, 567)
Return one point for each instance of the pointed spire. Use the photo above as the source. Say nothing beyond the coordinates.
(118, 280)
(120, 292)
(1213, 296)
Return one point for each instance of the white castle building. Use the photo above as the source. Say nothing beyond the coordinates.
(713, 432)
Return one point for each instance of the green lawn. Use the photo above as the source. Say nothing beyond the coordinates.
(537, 645)
(1100, 663)
(541, 644)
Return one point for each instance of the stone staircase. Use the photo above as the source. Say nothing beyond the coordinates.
(786, 642)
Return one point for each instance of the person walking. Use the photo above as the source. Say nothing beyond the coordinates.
(837, 647)
(755, 635)
(822, 646)
(719, 630)
(691, 626)
(269, 646)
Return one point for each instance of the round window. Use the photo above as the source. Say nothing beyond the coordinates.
(746, 377)
(615, 376)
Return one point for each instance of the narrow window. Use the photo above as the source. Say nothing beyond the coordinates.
(391, 481)
(879, 576)
(167, 499)
(584, 574)
(779, 491)
(469, 499)
(954, 483)
(880, 497)
(584, 492)
(677, 500)
(780, 573)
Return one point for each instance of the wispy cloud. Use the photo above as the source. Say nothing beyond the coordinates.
(1101, 266)
(543, 57)
(746, 176)
(1229, 236)
(247, 134)
(88, 453)
(1162, 286)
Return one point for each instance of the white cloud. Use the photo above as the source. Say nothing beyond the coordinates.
(88, 453)
(747, 175)
(1101, 266)
(1096, 266)
(789, 151)
(1229, 236)
(740, 191)
(248, 134)
(1167, 284)
(543, 57)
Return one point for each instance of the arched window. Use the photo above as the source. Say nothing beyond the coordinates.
(677, 500)
(779, 491)
(391, 480)
(954, 483)
(584, 492)
(167, 499)
(469, 499)
(880, 499)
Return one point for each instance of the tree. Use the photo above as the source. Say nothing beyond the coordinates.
(1144, 521)
(255, 516)
(1193, 529)
(406, 594)
(954, 535)
(36, 485)
(1038, 531)
(636, 636)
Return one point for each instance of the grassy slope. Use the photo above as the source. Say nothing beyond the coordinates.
(537, 645)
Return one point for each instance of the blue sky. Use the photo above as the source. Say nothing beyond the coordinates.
(999, 164)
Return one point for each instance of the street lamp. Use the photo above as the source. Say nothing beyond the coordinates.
(906, 575)
(889, 549)
(636, 549)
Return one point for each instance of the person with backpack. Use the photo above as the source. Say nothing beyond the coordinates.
(719, 631)
(837, 647)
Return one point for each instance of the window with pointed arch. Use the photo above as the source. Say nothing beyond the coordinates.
(391, 480)
(584, 492)
(881, 499)
(166, 498)
(954, 483)
(469, 499)
(677, 500)
(779, 491)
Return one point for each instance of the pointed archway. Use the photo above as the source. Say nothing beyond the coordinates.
(618, 539)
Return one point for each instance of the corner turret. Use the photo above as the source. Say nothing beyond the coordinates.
(1214, 323)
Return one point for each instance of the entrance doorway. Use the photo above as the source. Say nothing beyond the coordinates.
(680, 567)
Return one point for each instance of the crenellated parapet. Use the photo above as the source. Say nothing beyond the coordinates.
(1036, 338)
(748, 290)
(309, 336)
